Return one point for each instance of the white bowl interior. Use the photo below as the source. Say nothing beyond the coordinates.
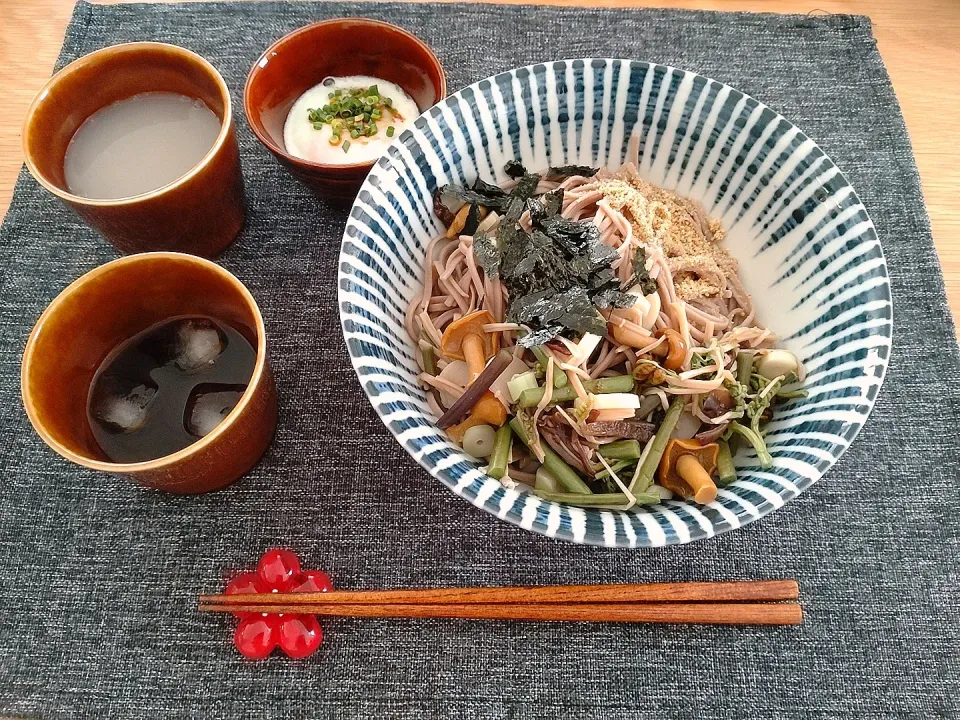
(808, 254)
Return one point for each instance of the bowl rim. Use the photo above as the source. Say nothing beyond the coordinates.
(263, 59)
(193, 448)
(226, 124)
(561, 533)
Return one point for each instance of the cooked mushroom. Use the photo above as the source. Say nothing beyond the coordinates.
(465, 339)
(717, 402)
(687, 468)
(674, 352)
(486, 411)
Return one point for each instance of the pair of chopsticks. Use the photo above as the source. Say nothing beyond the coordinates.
(704, 603)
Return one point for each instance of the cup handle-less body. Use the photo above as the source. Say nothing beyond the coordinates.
(111, 304)
(201, 212)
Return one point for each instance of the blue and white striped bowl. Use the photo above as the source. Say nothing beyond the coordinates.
(808, 253)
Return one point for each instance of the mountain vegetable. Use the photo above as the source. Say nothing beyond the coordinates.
(631, 366)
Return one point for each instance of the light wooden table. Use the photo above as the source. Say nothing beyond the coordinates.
(918, 39)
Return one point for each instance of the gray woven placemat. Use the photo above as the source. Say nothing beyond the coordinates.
(98, 579)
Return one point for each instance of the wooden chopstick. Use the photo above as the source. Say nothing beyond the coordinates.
(708, 592)
(708, 613)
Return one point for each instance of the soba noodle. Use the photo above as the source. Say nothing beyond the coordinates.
(698, 296)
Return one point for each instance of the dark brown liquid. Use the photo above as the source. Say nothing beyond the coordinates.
(167, 387)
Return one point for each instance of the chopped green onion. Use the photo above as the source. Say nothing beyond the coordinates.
(357, 110)
(346, 145)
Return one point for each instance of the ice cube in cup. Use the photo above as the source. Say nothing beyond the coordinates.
(208, 405)
(122, 405)
(199, 342)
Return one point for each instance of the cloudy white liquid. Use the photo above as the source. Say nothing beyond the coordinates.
(139, 144)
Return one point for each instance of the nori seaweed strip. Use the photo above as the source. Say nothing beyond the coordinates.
(552, 265)
(526, 187)
(575, 236)
(601, 255)
(487, 254)
(528, 264)
(513, 246)
(546, 205)
(493, 191)
(539, 337)
(473, 196)
(531, 307)
(514, 169)
(472, 221)
(578, 312)
(558, 274)
(640, 275)
(602, 279)
(512, 208)
(571, 308)
(611, 297)
(565, 171)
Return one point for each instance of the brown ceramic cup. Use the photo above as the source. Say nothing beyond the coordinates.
(113, 303)
(200, 212)
(345, 46)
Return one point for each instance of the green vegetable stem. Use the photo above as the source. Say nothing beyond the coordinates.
(501, 452)
(621, 450)
(554, 464)
(616, 384)
(616, 467)
(753, 437)
(644, 477)
(645, 498)
(744, 367)
(725, 464)
(429, 359)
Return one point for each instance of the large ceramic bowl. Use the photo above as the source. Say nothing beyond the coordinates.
(808, 252)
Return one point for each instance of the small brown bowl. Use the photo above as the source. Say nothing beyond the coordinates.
(345, 46)
(107, 306)
(200, 212)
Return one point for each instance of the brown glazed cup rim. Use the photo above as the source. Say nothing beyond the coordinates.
(225, 125)
(165, 460)
(276, 149)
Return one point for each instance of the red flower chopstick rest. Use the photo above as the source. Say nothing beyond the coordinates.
(259, 633)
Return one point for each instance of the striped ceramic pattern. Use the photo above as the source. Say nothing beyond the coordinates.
(808, 252)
